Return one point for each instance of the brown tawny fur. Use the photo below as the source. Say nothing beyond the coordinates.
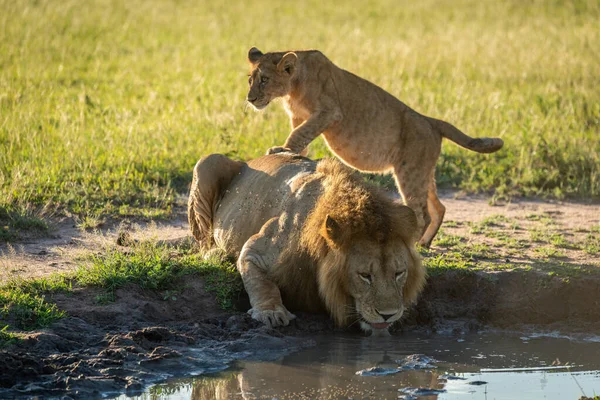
(309, 236)
(365, 126)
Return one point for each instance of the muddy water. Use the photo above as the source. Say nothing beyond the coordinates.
(478, 366)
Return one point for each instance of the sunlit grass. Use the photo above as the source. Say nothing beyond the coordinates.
(108, 104)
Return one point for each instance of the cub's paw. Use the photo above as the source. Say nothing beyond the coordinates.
(279, 316)
(278, 149)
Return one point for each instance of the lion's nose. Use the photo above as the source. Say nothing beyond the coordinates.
(386, 314)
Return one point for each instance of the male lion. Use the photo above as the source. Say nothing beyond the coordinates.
(365, 126)
(313, 236)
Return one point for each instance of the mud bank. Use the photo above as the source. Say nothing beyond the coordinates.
(512, 300)
(141, 338)
(104, 350)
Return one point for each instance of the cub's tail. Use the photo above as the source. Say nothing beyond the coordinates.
(480, 145)
(212, 175)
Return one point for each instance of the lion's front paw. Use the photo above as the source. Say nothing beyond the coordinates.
(279, 316)
(278, 149)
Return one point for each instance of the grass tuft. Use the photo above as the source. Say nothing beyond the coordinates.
(7, 338)
(592, 244)
(447, 240)
(15, 222)
(27, 311)
(158, 267)
(226, 283)
(150, 266)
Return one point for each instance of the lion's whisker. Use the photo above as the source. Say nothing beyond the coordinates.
(355, 321)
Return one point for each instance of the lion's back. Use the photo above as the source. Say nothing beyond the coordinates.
(262, 190)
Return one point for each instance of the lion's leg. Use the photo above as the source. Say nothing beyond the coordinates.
(436, 211)
(412, 182)
(257, 258)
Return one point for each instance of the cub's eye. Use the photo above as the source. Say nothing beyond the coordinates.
(250, 80)
(365, 277)
(264, 79)
(400, 274)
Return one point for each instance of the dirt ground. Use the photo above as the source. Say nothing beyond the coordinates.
(524, 230)
(65, 244)
(107, 349)
(60, 249)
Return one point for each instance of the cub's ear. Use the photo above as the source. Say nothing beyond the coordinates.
(288, 63)
(331, 230)
(254, 54)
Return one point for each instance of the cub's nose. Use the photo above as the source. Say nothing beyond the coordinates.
(386, 314)
(252, 99)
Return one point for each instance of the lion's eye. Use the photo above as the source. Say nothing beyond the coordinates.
(400, 274)
(264, 79)
(249, 80)
(365, 277)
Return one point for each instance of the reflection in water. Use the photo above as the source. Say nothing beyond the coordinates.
(228, 387)
(328, 371)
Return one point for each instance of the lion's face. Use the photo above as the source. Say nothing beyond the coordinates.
(376, 278)
(374, 270)
(270, 76)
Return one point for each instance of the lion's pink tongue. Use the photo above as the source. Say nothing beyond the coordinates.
(380, 325)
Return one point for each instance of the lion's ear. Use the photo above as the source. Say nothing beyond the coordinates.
(254, 55)
(331, 230)
(288, 63)
(407, 224)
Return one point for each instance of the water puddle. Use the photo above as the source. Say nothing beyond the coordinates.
(409, 366)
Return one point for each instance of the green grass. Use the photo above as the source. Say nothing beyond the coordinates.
(6, 337)
(27, 304)
(548, 252)
(27, 311)
(158, 267)
(495, 220)
(13, 223)
(543, 218)
(226, 283)
(105, 106)
(444, 239)
(149, 266)
(592, 244)
(449, 260)
(24, 305)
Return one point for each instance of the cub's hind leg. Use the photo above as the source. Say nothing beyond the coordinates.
(436, 211)
(413, 179)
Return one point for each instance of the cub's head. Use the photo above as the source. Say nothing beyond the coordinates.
(270, 76)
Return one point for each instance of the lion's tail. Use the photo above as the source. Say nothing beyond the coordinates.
(212, 175)
(480, 145)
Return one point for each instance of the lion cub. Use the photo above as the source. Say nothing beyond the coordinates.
(365, 126)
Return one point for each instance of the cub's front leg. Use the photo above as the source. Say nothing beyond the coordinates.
(307, 131)
(258, 256)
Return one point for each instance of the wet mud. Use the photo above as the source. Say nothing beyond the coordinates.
(141, 338)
